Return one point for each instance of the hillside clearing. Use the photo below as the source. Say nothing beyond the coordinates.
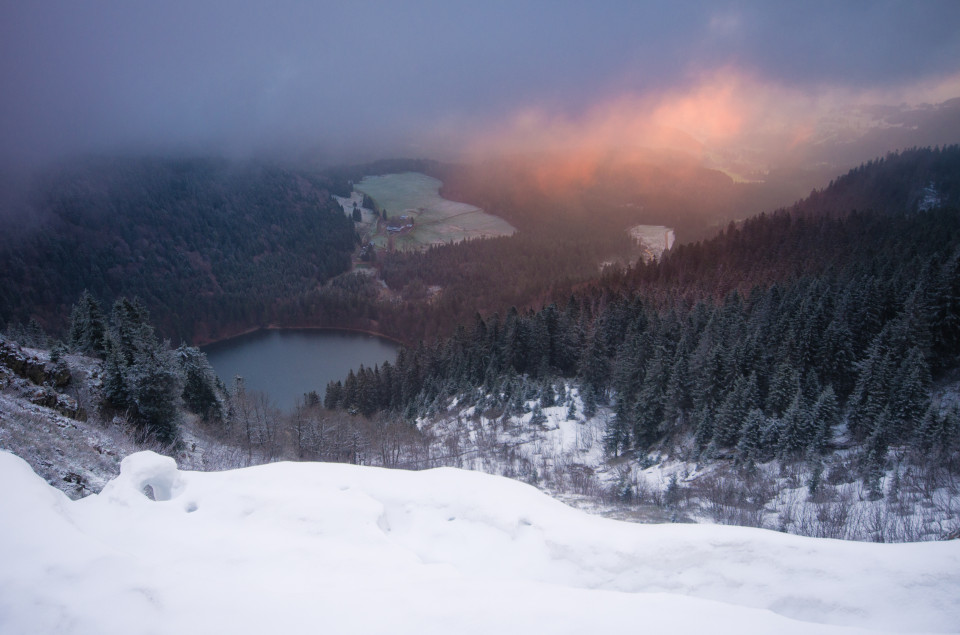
(436, 220)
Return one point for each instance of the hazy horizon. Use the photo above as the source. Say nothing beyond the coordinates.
(744, 87)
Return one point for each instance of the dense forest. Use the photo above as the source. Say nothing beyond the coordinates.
(213, 248)
(568, 232)
(432, 291)
(206, 245)
(758, 343)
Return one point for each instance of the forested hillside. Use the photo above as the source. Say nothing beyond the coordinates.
(784, 336)
(213, 248)
(208, 246)
(433, 291)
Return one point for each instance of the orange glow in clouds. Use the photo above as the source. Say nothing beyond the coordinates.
(722, 109)
(726, 114)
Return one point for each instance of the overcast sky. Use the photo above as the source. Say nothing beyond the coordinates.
(358, 79)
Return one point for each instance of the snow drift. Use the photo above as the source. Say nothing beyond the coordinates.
(298, 548)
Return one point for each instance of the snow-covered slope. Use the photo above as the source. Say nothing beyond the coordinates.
(297, 548)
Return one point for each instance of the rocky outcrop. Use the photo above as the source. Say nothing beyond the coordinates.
(38, 371)
(64, 404)
(45, 379)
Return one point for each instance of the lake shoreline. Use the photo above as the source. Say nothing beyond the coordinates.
(286, 363)
(278, 327)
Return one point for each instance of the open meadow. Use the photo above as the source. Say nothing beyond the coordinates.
(436, 220)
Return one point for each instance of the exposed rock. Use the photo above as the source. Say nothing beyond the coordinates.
(37, 370)
(45, 377)
(64, 404)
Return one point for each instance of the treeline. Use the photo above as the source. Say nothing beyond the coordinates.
(436, 289)
(759, 343)
(213, 248)
(797, 241)
(910, 180)
(207, 245)
(342, 178)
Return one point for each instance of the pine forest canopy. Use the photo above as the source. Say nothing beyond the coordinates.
(213, 248)
(204, 244)
(756, 342)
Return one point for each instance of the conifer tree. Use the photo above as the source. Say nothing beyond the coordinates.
(593, 370)
(141, 376)
(836, 357)
(708, 383)
(875, 455)
(366, 391)
(156, 388)
(115, 388)
(733, 411)
(677, 401)
(650, 401)
(749, 447)
(945, 311)
(703, 433)
(797, 431)
(200, 384)
(88, 326)
(351, 391)
(939, 433)
(333, 398)
(825, 417)
(911, 395)
(770, 437)
(36, 336)
(783, 389)
(386, 387)
(130, 330)
(538, 418)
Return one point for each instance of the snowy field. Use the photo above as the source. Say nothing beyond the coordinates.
(307, 547)
(437, 219)
(367, 215)
(655, 239)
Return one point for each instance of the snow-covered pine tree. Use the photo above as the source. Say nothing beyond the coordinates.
(200, 390)
(88, 327)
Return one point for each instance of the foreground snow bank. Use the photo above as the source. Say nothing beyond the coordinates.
(297, 548)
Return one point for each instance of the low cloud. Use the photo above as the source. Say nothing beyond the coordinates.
(730, 119)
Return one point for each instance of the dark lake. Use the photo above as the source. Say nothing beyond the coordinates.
(286, 363)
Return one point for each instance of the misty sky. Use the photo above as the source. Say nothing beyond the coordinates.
(360, 79)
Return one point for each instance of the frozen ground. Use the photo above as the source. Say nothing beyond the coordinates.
(308, 547)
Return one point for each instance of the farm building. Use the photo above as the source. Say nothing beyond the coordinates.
(398, 224)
